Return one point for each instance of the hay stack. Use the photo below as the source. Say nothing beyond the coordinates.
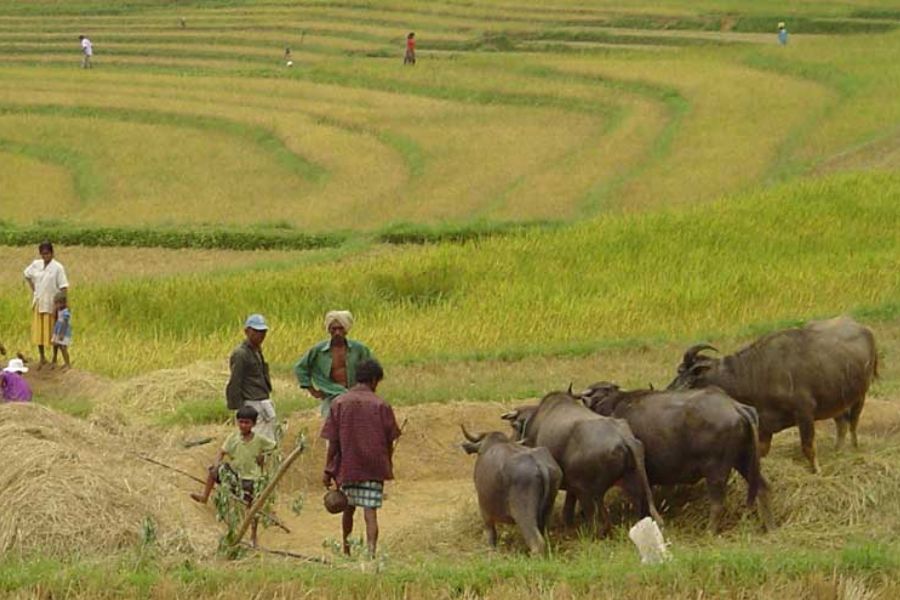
(69, 486)
(160, 393)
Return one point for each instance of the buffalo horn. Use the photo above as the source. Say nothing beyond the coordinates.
(691, 355)
(570, 390)
(472, 438)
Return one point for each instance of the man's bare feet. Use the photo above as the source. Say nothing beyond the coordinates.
(198, 498)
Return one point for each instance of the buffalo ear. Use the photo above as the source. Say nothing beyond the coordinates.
(510, 416)
(698, 369)
(470, 447)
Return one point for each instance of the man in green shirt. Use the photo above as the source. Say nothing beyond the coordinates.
(246, 452)
(328, 369)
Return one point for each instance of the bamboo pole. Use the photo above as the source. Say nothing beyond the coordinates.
(261, 500)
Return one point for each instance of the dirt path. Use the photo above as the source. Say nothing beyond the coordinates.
(433, 486)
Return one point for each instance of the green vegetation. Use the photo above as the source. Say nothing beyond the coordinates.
(594, 571)
(807, 249)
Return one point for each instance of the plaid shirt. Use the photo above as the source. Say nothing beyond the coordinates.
(361, 429)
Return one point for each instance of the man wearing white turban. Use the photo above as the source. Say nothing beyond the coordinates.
(328, 369)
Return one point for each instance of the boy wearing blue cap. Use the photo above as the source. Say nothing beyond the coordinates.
(250, 384)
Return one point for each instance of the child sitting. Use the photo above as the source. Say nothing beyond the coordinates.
(62, 329)
(15, 387)
(246, 452)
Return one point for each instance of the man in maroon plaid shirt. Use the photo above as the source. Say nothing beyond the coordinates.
(361, 430)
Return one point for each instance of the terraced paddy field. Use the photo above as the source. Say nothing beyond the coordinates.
(557, 191)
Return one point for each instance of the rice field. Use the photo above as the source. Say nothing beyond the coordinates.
(677, 175)
(194, 120)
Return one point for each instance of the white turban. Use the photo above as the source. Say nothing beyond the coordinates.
(344, 317)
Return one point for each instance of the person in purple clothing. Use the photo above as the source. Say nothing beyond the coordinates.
(15, 387)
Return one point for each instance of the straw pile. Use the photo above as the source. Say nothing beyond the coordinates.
(69, 486)
(162, 393)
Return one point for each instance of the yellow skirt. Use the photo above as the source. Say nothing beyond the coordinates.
(41, 328)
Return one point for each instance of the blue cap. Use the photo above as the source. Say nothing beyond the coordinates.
(257, 322)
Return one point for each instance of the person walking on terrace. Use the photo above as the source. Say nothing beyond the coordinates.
(361, 430)
(409, 57)
(46, 277)
(87, 52)
(328, 369)
(250, 384)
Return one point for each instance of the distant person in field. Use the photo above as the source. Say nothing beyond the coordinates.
(250, 384)
(246, 452)
(14, 386)
(361, 430)
(409, 58)
(328, 369)
(46, 277)
(62, 330)
(87, 52)
(288, 60)
(782, 34)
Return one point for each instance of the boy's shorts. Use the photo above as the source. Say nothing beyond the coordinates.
(247, 485)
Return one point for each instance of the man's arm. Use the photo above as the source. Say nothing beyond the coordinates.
(332, 462)
(391, 430)
(303, 372)
(303, 369)
(233, 395)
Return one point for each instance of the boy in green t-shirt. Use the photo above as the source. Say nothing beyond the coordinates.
(246, 452)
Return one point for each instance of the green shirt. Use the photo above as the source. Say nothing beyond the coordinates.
(243, 454)
(313, 370)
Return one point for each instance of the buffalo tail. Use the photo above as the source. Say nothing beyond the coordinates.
(545, 494)
(754, 475)
(636, 448)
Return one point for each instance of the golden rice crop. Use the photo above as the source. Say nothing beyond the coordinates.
(68, 486)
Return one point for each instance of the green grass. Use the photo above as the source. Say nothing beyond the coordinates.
(596, 570)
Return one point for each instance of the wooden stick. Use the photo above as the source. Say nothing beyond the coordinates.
(275, 520)
(285, 553)
(261, 500)
(171, 468)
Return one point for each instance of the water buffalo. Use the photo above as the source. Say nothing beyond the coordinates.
(514, 484)
(794, 377)
(689, 436)
(594, 453)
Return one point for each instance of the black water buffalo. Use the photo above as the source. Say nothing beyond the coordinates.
(689, 436)
(794, 377)
(594, 453)
(514, 484)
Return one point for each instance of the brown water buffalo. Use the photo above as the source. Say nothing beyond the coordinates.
(594, 453)
(689, 436)
(794, 377)
(514, 484)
